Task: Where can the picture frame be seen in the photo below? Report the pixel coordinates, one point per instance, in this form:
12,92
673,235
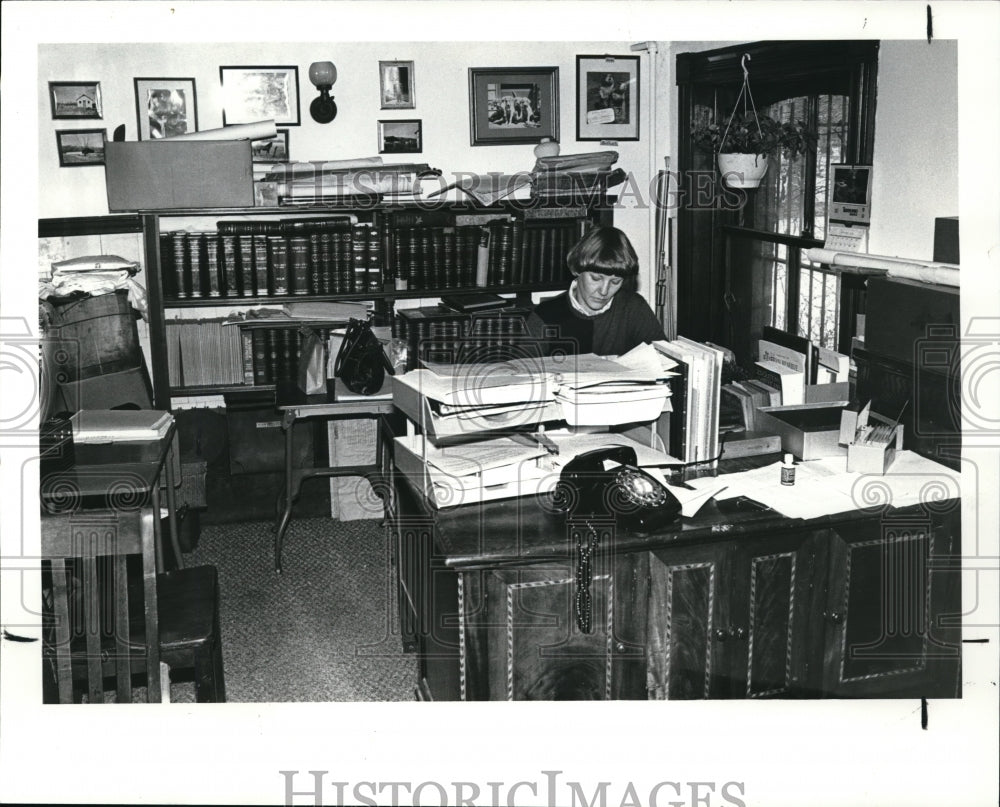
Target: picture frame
271,149
400,136
75,100
80,147
510,105
396,85
251,94
165,107
607,97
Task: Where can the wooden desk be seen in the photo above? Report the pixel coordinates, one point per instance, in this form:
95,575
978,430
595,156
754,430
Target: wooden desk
737,602
118,476
296,406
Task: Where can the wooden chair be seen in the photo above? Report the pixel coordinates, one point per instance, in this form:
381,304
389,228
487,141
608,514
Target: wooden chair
103,625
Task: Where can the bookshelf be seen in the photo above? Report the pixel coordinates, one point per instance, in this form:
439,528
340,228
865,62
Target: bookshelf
203,263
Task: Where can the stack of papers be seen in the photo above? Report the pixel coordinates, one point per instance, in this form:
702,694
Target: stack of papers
118,425
591,390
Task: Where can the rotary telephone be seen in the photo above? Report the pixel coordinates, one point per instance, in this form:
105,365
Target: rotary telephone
637,501
587,490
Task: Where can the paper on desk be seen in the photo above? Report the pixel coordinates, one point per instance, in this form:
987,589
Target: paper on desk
823,487
691,501
475,458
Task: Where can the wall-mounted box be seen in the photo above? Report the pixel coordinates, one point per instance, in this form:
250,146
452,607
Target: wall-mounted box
946,240
165,175
809,431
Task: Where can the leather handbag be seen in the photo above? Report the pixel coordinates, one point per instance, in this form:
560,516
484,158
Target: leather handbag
361,363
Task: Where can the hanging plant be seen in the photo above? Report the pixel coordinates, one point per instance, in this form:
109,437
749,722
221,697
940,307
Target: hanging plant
745,140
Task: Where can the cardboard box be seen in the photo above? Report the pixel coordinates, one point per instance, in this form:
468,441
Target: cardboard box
869,457
165,175
809,431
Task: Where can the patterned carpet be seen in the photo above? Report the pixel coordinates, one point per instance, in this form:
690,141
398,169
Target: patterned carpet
326,629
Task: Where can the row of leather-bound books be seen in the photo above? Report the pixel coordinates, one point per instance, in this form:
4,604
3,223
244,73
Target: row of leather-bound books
247,259
219,352
215,353
251,259
436,335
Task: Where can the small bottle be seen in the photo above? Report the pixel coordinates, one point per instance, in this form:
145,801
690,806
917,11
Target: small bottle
787,470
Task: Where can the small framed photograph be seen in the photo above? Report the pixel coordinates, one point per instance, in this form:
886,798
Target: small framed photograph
165,107
252,94
81,146
607,97
400,136
396,84
72,100
513,105
271,149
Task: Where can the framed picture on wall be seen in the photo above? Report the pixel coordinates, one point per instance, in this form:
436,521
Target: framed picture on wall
513,105
400,136
607,97
72,100
396,85
251,94
165,107
81,146
271,149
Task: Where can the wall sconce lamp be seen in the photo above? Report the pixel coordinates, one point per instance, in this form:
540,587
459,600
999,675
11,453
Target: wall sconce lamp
324,76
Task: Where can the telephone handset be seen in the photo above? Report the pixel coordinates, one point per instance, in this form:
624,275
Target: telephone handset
588,488
638,502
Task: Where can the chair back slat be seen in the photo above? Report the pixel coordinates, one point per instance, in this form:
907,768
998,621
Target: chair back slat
151,606
123,652
60,610
92,629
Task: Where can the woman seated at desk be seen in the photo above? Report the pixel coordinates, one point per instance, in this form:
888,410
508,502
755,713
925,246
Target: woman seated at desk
597,314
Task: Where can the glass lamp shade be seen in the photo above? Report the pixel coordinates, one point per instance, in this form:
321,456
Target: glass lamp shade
323,74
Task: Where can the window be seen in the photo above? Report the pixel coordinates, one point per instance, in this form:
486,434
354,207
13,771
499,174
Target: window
745,264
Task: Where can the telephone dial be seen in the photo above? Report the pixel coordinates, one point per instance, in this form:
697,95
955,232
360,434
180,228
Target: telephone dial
637,501
588,489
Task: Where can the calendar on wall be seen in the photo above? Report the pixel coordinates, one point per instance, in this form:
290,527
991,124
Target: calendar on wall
849,208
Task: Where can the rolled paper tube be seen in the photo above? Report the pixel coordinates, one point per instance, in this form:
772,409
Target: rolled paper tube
925,271
259,130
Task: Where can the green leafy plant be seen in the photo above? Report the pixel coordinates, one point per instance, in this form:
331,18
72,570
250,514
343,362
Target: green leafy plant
750,134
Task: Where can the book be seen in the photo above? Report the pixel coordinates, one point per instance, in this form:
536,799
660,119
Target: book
244,244
790,381
261,265
227,265
290,226
114,425
298,264
778,341
480,301
277,248
194,245
483,257
359,258
179,251
212,264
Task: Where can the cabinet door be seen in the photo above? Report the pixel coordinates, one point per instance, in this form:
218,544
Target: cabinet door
535,646
893,609
688,619
772,583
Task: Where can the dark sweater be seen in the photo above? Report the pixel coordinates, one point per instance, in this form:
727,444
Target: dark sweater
627,323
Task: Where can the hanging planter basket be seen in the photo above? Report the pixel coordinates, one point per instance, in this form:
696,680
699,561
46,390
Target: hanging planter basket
742,170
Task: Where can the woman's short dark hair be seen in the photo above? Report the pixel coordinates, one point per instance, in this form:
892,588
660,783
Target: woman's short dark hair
605,250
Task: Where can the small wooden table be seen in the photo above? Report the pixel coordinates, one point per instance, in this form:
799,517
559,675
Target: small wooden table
117,476
342,403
